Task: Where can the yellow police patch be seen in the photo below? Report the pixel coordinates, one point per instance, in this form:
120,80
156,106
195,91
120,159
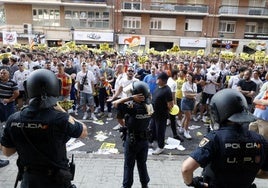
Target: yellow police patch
203,142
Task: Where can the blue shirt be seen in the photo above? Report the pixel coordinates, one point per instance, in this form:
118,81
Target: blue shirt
151,81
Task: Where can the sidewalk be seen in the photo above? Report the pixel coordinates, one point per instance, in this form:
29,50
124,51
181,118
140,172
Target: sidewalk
103,171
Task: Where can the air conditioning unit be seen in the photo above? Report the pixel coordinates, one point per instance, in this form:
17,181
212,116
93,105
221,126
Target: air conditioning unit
27,28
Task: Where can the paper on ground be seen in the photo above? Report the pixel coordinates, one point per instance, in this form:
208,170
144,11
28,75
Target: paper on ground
73,143
101,136
172,143
192,127
99,122
107,148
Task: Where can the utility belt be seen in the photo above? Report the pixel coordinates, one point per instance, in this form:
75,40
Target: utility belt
59,176
42,171
212,185
135,137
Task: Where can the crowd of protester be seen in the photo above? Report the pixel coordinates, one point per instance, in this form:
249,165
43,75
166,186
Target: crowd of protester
92,81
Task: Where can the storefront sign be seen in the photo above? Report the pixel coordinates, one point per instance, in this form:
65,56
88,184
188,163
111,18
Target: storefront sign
255,36
133,40
93,36
194,43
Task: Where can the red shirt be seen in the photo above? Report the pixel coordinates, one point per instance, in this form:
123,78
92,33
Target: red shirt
66,82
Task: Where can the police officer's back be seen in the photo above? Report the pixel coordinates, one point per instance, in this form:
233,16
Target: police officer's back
231,156
39,134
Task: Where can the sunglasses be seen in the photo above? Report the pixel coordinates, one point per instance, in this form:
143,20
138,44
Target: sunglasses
20,65
130,70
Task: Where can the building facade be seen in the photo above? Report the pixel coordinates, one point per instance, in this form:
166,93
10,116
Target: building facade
212,25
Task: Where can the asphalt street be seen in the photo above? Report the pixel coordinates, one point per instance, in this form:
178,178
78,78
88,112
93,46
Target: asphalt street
95,170
92,144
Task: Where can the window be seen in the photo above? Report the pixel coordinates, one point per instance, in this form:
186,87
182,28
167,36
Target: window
163,23
83,14
45,16
263,28
230,2
155,24
83,18
227,26
75,15
68,14
256,3
132,22
132,5
194,2
193,25
2,16
251,27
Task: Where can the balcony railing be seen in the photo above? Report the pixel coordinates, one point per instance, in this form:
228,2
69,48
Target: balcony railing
139,6
251,11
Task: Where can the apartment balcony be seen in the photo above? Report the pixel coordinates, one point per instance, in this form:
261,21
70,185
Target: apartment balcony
243,12
164,8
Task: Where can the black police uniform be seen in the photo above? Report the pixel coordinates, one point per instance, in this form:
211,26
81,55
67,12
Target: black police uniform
136,144
41,145
231,157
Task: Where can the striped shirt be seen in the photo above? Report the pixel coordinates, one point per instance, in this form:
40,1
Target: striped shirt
7,89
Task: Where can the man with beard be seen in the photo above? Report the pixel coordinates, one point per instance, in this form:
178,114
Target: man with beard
248,88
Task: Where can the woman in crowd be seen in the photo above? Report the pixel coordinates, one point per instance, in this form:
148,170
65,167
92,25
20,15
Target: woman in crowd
189,91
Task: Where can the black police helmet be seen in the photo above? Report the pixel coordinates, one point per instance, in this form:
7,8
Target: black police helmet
230,104
42,83
141,87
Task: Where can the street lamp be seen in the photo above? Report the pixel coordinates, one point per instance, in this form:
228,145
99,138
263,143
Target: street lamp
72,32
221,37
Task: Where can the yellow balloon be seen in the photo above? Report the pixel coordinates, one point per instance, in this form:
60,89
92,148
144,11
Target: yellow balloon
174,110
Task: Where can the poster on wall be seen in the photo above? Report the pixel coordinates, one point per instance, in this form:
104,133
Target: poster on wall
9,38
132,41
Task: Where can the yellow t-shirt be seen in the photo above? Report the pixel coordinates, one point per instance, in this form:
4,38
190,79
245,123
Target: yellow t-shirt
179,82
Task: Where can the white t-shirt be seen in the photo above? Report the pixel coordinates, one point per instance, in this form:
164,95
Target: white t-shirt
30,65
234,81
172,84
96,72
87,85
124,82
210,88
187,87
19,77
117,81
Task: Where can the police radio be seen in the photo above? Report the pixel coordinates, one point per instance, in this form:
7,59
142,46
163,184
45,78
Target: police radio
72,167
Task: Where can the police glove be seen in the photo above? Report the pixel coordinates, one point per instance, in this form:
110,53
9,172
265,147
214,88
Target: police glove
123,133
197,182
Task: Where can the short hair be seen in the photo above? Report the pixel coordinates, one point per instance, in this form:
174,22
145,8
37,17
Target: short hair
5,61
242,69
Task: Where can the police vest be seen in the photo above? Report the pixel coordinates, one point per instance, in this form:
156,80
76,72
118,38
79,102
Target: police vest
138,119
237,161
40,129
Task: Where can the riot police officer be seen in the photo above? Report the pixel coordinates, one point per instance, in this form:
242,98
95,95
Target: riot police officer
134,118
231,156
39,132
